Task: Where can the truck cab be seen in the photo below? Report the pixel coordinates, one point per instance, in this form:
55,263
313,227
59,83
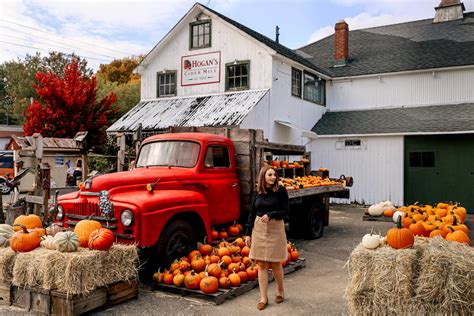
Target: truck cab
182,184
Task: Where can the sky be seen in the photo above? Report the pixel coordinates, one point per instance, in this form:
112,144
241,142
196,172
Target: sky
103,30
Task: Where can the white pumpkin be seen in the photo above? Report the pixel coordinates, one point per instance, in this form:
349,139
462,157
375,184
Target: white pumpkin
53,229
371,241
6,231
396,214
376,209
47,242
388,204
66,241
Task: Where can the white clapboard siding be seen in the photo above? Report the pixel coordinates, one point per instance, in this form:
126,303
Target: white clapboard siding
233,45
408,89
377,167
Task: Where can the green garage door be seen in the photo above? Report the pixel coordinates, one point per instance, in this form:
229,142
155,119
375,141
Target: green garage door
440,168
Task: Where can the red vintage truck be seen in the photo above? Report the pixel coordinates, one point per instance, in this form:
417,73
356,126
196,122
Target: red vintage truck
186,183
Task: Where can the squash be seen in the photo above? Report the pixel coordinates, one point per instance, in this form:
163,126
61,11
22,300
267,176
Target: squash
66,241
400,237
4,242
47,242
371,241
53,229
6,231
376,209
388,204
396,214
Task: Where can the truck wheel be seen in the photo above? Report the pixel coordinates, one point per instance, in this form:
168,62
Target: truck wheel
4,188
176,241
315,222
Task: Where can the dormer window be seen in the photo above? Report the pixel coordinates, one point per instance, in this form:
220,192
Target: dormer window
200,34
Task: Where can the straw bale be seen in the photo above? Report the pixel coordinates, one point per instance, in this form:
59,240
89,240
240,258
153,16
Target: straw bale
446,281
7,261
77,272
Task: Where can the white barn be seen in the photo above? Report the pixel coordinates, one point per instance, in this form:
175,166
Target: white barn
367,103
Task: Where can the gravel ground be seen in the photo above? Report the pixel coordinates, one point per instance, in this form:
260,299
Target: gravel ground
315,290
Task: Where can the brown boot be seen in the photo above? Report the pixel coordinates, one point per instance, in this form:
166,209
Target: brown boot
262,305
279,299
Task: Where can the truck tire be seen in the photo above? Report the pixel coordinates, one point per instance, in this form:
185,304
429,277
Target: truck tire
176,241
4,187
314,226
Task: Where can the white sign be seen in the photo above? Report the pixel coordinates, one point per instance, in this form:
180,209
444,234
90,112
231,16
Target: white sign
201,69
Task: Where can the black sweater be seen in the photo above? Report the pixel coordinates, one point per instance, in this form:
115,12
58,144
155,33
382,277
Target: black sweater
274,204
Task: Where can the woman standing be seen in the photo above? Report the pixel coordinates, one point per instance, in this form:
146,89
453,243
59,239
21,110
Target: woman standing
268,241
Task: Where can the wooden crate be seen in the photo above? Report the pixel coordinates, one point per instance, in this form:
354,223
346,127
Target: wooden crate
5,293
42,301
223,294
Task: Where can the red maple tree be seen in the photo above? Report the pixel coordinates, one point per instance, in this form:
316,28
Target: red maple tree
68,105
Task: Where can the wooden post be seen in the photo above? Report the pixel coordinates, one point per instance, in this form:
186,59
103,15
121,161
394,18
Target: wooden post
38,146
46,186
2,217
138,137
121,152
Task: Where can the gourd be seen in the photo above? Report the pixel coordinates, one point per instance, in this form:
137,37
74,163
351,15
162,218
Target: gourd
6,231
66,241
47,242
53,229
371,241
376,209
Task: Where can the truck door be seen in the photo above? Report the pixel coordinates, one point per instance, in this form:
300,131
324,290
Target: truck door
220,177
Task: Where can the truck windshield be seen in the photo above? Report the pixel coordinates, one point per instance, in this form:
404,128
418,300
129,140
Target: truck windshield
169,153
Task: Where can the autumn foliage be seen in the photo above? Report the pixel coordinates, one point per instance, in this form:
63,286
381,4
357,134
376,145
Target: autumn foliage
68,105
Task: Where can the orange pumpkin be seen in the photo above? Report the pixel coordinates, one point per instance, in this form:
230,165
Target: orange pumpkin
224,282
223,252
233,230
101,239
204,248
29,221
458,236
214,269
399,237
388,212
245,251
418,229
214,234
243,276
192,280
437,232
193,254
252,272
198,264
178,279
209,284
168,278
84,229
234,279
223,234
24,241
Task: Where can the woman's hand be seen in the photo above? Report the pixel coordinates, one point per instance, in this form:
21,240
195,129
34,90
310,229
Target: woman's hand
247,240
265,218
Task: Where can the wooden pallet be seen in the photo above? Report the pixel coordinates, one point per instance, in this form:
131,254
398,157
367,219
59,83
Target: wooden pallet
223,294
370,218
43,301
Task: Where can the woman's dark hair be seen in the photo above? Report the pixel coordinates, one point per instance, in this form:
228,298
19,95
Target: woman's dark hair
261,189
79,163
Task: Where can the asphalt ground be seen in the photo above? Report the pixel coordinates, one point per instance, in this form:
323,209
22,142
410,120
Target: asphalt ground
318,289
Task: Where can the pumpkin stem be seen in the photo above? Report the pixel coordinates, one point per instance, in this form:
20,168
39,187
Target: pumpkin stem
455,221
399,222
205,238
24,228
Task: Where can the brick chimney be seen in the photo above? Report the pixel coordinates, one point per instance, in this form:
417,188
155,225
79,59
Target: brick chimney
449,10
341,43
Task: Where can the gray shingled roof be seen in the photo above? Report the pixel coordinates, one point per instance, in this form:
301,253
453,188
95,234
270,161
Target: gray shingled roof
279,48
225,109
426,119
400,47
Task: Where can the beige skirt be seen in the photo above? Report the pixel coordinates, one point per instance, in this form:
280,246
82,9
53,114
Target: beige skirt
268,241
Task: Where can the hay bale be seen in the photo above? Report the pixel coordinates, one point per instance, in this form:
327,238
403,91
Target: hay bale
77,272
445,284
7,261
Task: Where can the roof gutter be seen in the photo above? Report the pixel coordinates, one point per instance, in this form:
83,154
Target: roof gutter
292,62
432,70
396,134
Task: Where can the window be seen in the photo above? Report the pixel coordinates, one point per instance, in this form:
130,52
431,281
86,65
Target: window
295,82
217,157
166,84
237,76
424,159
352,142
314,89
169,153
6,162
200,34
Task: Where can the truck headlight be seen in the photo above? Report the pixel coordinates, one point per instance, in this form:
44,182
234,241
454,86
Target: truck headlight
60,214
126,218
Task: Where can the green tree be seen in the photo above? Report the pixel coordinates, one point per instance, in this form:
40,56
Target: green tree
19,76
128,95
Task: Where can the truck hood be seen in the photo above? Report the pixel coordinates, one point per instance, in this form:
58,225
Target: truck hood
140,176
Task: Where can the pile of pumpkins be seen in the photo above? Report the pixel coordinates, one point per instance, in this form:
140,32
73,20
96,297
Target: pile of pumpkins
444,220
27,234
306,182
209,268
285,164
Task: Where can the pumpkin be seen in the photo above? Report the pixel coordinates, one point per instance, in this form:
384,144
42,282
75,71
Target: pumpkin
101,239
418,229
192,280
245,251
396,214
371,241
252,272
451,217
243,276
437,232
227,260
223,234
400,237
29,221
223,252
178,279
234,279
457,226
214,234
41,231
294,255
158,276
66,241
388,204
84,229
224,282
198,264
239,242
388,212
458,236
193,254
24,241
209,284
204,248
53,229
214,269
168,278
233,230
376,209
6,231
